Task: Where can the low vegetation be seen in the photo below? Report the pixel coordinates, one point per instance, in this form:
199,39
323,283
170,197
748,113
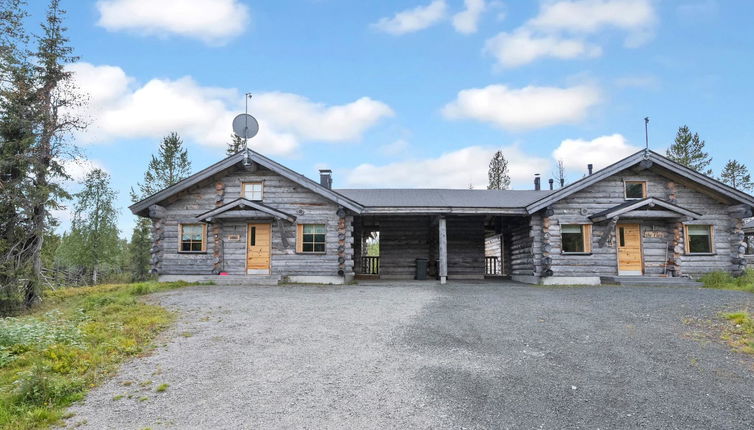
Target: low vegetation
741,333
725,281
50,358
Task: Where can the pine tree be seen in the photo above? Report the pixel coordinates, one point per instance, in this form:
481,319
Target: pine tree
737,176
499,177
688,150
170,165
235,145
94,228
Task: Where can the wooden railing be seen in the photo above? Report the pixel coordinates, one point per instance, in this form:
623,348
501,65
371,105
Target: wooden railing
491,265
370,265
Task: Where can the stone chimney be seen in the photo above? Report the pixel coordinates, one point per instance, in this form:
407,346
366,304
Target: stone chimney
325,178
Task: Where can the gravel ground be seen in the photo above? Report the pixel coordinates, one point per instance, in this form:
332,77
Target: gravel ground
419,355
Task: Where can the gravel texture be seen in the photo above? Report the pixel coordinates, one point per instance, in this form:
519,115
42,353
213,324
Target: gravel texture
421,355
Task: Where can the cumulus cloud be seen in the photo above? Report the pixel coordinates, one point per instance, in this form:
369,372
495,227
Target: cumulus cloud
561,29
395,148
525,108
522,47
411,20
78,168
120,108
211,21
466,21
601,151
456,169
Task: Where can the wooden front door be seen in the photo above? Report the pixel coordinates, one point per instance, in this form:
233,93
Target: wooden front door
629,249
258,238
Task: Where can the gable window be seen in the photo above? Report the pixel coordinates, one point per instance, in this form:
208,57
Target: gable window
699,239
635,190
193,237
310,238
576,238
252,190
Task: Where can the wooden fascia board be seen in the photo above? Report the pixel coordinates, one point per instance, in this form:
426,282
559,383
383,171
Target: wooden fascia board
306,182
585,182
647,202
441,210
250,204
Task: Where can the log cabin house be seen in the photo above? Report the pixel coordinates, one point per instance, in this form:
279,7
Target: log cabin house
249,219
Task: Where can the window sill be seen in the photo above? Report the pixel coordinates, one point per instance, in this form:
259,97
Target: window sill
311,253
192,252
575,253
700,254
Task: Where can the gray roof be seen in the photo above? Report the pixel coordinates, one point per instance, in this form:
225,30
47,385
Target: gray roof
749,224
428,197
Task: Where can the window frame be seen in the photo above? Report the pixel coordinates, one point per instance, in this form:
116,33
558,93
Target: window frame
710,238
626,182
203,242
300,238
586,237
261,190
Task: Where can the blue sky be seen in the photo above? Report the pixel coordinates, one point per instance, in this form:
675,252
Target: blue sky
411,93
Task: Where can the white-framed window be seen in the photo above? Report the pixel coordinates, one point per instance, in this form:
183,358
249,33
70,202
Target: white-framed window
635,190
576,238
699,239
252,190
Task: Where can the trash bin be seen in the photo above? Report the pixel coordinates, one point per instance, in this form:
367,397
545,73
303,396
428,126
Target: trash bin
421,269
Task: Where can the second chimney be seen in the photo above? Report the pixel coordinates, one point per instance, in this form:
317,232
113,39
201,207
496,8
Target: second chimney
551,181
537,182
590,167
325,178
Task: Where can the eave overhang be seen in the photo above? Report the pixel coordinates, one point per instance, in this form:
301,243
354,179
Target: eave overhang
653,208
240,205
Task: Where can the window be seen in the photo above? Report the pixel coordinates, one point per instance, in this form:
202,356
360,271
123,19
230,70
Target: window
251,190
699,239
192,237
576,238
636,190
310,238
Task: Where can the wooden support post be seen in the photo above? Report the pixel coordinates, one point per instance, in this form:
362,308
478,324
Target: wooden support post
443,239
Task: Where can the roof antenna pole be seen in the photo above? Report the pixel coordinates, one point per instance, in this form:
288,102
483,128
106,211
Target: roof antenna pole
246,162
646,137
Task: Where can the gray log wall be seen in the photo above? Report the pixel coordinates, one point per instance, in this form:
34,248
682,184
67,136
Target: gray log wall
658,236
279,193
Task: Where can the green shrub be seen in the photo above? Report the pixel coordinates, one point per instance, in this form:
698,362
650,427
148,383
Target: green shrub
724,280
41,388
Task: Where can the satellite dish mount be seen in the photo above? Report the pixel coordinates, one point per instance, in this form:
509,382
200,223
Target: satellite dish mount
246,127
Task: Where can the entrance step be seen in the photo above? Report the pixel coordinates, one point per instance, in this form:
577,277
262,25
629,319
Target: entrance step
650,281
246,280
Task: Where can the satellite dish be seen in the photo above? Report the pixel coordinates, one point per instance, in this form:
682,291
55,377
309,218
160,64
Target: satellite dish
245,126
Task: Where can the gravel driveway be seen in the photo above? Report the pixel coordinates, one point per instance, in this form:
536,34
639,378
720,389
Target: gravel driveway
421,355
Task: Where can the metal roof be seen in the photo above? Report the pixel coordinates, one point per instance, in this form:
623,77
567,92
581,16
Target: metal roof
428,197
749,224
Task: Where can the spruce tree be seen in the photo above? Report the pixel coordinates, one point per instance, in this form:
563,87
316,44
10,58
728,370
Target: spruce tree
169,166
737,176
688,150
235,145
499,177
94,228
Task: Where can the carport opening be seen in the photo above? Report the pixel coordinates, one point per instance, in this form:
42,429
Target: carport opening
370,260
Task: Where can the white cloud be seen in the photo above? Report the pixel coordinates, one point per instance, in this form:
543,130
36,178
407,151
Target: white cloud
78,168
466,21
561,29
601,152
411,20
456,169
525,108
522,47
121,109
395,148
211,21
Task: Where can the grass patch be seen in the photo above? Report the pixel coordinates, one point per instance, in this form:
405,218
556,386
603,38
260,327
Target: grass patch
52,356
740,333
162,388
725,281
